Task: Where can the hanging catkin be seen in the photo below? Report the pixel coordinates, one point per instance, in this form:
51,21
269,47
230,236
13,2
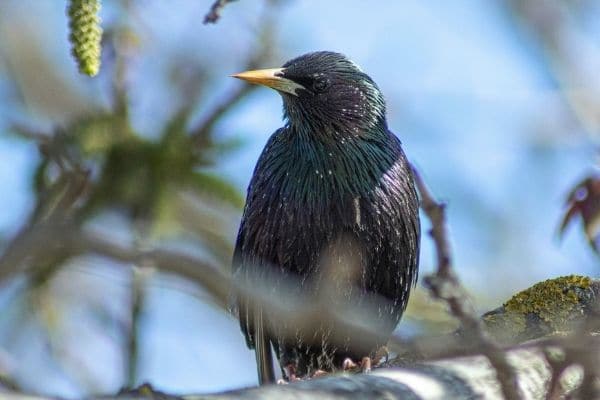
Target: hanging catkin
85,34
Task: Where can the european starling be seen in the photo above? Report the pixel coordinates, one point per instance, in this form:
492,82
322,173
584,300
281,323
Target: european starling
331,213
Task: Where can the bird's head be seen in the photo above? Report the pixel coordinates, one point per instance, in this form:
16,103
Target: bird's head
324,92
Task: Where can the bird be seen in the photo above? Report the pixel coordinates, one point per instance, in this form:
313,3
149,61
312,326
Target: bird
332,214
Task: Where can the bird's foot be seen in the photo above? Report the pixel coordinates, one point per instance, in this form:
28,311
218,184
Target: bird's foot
381,355
290,373
363,366
349,365
319,374
291,376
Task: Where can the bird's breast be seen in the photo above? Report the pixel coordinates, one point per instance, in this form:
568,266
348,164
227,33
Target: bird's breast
306,198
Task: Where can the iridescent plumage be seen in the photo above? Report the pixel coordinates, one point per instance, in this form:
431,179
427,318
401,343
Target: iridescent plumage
331,210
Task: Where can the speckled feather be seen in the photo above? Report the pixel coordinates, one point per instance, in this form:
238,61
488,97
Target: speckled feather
333,184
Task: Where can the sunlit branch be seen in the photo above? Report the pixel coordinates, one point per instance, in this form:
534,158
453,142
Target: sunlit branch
444,285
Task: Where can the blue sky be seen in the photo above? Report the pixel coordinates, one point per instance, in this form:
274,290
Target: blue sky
473,102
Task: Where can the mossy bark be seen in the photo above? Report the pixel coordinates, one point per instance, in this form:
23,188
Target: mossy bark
554,306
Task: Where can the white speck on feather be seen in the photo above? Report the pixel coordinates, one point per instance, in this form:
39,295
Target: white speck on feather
357,210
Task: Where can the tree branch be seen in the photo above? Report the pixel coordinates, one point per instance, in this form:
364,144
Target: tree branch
44,239
214,13
459,378
444,285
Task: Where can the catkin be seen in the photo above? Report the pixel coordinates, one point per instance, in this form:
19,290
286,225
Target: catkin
85,34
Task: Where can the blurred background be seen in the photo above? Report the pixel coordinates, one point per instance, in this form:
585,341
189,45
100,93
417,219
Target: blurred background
497,104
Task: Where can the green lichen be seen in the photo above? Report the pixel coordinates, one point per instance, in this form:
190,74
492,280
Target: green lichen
85,34
546,307
553,301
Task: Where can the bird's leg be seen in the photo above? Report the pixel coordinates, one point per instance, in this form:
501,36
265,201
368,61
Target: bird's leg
365,365
319,374
290,373
348,364
380,354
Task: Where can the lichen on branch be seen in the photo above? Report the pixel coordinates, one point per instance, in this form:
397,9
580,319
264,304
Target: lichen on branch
85,34
554,305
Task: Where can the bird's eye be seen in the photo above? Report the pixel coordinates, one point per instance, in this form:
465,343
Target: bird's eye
320,84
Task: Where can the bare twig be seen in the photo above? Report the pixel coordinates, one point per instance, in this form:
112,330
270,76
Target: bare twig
138,285
214,13
8,383
444,285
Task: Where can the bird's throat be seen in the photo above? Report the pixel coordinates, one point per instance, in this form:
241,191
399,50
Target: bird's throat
338,165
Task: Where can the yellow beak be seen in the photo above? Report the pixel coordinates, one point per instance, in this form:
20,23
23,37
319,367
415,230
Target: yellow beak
272,77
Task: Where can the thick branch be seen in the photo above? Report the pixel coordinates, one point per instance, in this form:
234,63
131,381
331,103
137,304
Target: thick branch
460,378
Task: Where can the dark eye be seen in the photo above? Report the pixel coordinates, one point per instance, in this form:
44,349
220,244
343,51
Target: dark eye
320,84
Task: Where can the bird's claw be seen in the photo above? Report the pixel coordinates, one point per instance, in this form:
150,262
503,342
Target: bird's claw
364,365
348,364
319,374
290,373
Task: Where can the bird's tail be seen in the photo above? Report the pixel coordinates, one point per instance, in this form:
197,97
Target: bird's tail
262,348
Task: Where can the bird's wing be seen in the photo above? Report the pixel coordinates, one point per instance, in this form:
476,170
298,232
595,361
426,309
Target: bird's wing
251,319
245,260
246,254
412,224
239,271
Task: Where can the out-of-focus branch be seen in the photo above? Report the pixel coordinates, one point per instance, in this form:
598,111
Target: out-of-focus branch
55,206
205,128
444,285
208,276
214,13
460,378
569,55
58,199
46,238
139,276
552,26
75,241
258,57
217,283
8,383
